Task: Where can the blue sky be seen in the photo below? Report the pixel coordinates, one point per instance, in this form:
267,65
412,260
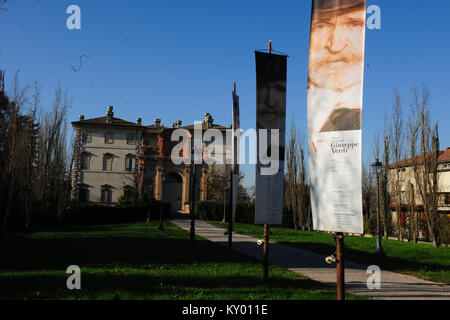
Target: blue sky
176,60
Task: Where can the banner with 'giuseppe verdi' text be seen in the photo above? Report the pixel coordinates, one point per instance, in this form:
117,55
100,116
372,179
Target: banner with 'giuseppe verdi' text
335,95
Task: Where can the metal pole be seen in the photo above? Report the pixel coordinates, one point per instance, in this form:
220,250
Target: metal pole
379,247
266,253
224,205
340,281
230,217
192,230
161,227
266,227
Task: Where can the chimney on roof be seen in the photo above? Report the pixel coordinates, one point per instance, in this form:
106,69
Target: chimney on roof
208,120
109,115
139,121
81,117
157,123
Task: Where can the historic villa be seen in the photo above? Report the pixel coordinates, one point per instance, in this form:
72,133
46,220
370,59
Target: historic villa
113,157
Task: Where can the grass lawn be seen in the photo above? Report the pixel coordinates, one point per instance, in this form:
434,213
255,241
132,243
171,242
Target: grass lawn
421,260
136,261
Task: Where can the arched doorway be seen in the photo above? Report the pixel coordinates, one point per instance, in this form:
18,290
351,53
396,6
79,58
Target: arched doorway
173,190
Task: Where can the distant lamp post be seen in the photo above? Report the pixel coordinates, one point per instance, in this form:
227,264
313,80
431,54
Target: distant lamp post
161,228
377,166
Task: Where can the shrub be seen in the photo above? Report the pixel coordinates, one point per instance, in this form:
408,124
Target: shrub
124,211
210,210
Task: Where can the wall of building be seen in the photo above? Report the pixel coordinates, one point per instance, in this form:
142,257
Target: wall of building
94,177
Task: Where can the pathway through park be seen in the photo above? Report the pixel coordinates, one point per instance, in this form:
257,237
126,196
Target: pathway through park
313,265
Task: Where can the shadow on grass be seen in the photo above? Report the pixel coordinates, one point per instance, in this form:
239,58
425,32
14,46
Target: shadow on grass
148,286
33,254
366,258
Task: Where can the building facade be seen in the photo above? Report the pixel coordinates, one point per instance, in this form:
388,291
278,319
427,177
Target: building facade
113,157
402,176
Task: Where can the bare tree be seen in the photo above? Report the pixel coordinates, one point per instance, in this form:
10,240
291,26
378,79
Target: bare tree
426,165
397,181
14,150
304,202
53,155
368,191
33,160
296,191
291,190
384,179
412,138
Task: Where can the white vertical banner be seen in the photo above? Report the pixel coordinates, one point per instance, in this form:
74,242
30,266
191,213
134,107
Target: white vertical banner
271,70
335,95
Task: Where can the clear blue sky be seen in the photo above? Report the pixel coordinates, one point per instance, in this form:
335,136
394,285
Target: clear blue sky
176,60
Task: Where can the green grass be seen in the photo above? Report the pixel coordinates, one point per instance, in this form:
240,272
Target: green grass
136,261
421,260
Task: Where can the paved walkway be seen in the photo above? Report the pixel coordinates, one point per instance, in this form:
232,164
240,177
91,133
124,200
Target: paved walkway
312,265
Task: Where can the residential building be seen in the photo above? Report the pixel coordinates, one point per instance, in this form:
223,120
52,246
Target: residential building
403,173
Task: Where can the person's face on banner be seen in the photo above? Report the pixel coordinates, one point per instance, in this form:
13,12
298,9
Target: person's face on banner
336,50
274,95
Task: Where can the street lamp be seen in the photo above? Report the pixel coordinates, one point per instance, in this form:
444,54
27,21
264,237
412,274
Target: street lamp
377,166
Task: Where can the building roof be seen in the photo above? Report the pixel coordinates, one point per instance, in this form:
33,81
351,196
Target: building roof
213,126
444,156
102,121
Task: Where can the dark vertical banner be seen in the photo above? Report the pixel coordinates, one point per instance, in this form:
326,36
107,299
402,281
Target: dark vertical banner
235,150
335,95
271,72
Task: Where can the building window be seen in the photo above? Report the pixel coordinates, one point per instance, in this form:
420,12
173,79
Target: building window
86,137
447,198
107,162
130,138
84,193
128,192
109,138
151,141
85,161
129,162
106,194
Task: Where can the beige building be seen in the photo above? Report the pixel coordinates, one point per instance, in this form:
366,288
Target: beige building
403,172
113,157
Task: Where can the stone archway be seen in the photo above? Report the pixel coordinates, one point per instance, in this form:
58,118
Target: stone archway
173,190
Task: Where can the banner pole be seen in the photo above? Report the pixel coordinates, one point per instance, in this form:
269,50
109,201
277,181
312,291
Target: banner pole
266,253
192,230
230,219
340,269
266,227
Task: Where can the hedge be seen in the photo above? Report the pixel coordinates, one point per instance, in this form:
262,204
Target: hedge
212,210
97,214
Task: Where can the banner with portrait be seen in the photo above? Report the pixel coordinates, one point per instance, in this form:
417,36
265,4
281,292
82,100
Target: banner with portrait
335,95
270,128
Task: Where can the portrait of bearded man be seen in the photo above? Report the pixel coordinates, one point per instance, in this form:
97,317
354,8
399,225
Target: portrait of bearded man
336,65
